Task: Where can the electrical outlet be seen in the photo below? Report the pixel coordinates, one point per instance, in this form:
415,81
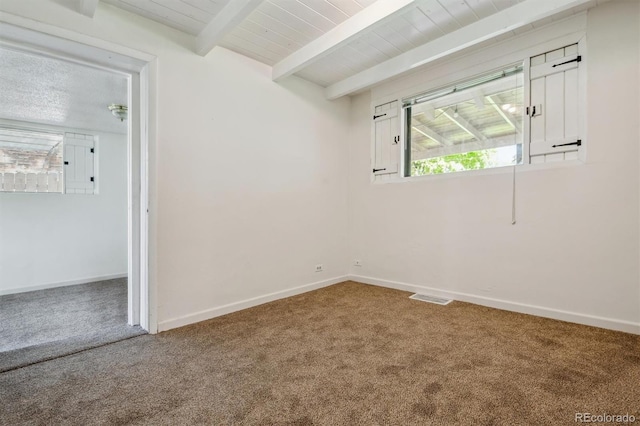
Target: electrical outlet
357,262
319,268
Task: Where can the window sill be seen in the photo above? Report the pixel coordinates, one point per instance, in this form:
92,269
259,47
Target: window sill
523,168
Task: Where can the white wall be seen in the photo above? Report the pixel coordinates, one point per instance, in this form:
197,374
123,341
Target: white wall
248,188
258,196
573,253
54,239
248,176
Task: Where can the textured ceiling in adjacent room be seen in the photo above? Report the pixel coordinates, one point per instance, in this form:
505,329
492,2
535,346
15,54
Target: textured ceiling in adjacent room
51,91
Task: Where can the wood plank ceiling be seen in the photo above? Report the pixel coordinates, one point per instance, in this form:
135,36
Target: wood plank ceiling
277,28
189,16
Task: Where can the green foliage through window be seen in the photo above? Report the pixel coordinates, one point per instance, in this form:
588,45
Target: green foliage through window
473,160
473,125
451,163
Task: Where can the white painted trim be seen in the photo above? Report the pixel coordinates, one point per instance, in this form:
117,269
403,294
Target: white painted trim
134,157
495,25
87,7
245,304
224,22
557,314
146,300
62,284
339,36
87,49
51,128
69,45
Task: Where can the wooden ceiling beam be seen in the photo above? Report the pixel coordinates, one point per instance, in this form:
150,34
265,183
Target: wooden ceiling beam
367,19
512,18
510,120
427,132
465,125
225,21
87,7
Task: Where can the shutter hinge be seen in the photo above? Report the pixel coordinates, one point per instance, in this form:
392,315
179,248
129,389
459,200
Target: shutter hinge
92,151
578,143
378,170
578,59
378,116
92,179
66,163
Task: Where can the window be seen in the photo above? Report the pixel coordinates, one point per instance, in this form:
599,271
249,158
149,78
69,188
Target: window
476,124
526,113
30,161
43,161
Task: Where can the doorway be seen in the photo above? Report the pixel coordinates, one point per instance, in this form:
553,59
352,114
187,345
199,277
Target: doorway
137,70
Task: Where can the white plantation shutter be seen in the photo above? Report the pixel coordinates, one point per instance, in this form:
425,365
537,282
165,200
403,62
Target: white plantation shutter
387,139
79,164
555,109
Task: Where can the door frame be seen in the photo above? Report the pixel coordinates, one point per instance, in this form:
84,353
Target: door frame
140,70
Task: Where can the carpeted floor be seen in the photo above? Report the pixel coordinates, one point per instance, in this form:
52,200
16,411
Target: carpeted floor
348,354
44,324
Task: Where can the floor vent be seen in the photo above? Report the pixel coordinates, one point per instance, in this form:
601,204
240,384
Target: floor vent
430,299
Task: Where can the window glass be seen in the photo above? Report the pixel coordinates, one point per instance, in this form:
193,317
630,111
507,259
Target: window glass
30,161
476,124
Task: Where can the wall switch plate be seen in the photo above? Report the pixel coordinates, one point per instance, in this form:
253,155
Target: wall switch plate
319,268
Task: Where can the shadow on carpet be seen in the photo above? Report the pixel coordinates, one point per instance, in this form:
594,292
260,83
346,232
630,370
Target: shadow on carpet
22,357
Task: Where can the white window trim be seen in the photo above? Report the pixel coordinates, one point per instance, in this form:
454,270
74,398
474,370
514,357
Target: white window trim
561,33
466,174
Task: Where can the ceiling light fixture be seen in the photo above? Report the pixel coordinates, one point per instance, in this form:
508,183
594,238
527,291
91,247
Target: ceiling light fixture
120,111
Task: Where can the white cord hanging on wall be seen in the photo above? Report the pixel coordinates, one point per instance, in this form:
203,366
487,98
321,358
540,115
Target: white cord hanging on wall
513,198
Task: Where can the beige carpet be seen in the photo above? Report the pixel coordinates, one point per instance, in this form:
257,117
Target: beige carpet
344,355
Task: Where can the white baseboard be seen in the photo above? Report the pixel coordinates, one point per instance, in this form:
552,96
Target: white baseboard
61,284
244,304
591,320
